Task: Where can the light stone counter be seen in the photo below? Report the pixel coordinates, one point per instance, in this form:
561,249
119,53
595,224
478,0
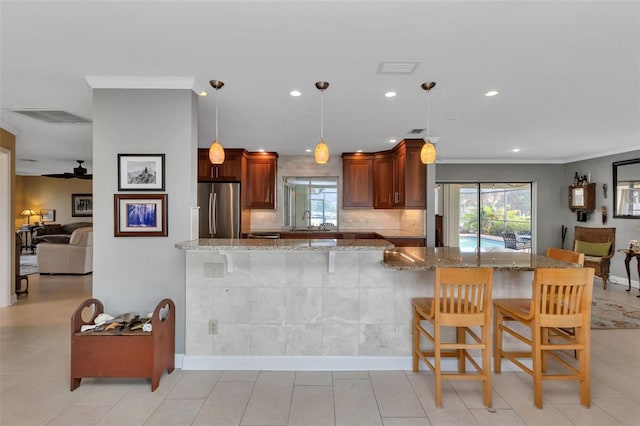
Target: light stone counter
305,305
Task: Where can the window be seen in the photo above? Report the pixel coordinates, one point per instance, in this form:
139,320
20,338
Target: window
310,201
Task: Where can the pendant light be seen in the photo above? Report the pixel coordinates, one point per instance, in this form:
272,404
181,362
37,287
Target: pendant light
321,153
428,151
216,152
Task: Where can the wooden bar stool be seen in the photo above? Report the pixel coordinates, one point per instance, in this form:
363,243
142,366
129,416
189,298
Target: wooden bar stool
561,300
462,299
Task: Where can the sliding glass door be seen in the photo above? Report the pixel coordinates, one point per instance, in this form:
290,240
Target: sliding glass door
487,216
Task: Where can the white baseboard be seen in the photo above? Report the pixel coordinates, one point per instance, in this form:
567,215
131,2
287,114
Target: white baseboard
313,363
624,281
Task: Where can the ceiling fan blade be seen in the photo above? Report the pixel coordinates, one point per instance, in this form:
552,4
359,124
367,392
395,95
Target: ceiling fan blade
78,173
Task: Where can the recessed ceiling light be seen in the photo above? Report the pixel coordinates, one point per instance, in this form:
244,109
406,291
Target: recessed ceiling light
390,94
307,150
515,150
491,93
295,93
203,93
359,150
392,141
261,150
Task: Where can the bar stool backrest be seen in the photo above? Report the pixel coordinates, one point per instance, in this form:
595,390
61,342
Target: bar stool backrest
462,296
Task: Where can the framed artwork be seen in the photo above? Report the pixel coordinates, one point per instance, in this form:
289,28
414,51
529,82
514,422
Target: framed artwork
140,215
141,172
81,205
47,215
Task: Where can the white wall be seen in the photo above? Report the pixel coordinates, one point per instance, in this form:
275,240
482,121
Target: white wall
132,274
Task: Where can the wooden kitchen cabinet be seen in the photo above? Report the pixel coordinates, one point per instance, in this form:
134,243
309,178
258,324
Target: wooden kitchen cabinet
229,171
383,185
582,197
260,192
413,177
357,180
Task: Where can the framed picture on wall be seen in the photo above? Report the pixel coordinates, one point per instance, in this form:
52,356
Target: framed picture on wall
140,172
47,215
140,215
81,205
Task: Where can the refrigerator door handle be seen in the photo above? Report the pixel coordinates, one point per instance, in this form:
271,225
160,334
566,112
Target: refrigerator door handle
209,215
214,213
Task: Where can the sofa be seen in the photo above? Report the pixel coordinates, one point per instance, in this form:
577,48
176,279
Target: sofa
74,257
56,233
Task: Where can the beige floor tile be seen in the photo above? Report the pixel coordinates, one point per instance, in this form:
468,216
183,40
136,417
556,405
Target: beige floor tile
500,417
175,412
339,375
312,406
470,391
134,409
80,415
532,415
593,416
624,410
453,412
226,404
239,376
314,378
395,395
195,385
355,403
270,401
406,421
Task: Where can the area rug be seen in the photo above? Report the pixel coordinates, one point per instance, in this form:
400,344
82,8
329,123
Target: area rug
610,314
28,264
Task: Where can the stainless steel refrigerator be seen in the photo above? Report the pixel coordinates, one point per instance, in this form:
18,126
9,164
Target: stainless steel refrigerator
219,210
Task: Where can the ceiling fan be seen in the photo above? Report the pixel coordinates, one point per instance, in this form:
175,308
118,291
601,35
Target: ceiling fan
78,173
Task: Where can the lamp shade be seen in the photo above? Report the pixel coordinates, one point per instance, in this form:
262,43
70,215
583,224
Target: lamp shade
216,153
428,153
28,212
321,153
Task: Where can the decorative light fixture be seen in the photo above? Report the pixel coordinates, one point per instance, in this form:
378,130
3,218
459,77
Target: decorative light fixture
428,151
28,213
216,152
321,153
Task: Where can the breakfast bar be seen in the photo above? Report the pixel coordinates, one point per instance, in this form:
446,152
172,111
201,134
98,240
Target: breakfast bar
307,304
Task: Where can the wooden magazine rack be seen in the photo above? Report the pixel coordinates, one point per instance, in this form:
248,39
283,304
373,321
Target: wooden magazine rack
122,353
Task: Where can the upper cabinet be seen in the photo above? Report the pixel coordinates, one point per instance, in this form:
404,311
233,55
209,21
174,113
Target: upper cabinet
386,180
582,197
229,171
260,188
357,180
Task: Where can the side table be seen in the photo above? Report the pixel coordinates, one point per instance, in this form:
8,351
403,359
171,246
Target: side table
630,254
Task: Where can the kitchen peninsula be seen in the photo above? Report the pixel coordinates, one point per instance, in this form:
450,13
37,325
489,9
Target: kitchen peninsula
319,304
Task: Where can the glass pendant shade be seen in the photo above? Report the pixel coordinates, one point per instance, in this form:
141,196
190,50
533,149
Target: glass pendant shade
216,153
428,153
321,153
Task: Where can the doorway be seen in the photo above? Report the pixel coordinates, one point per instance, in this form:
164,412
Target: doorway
487,216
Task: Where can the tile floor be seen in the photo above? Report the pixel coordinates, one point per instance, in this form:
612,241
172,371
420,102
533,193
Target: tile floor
34,384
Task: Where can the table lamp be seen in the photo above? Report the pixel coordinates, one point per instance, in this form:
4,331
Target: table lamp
28,213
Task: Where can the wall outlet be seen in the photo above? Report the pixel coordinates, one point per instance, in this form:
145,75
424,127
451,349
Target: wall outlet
213,327
214,270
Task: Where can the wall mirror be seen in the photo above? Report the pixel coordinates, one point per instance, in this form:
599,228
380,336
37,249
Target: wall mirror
626,189
310,202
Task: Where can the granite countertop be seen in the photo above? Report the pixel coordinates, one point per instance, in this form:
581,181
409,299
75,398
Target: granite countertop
427,259
284,244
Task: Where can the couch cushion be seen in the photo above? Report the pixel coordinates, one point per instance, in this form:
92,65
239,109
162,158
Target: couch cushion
82,237
70,227
593,249
50,230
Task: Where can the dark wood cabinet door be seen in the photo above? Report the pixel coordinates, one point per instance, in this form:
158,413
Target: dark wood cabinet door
415,178
229,171
399,167
383,181
357,180
260,188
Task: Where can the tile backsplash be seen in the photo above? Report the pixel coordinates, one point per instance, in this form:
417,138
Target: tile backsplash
348,219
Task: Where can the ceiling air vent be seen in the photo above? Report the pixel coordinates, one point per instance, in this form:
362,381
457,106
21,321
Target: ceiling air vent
416,131
52,116
397,67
